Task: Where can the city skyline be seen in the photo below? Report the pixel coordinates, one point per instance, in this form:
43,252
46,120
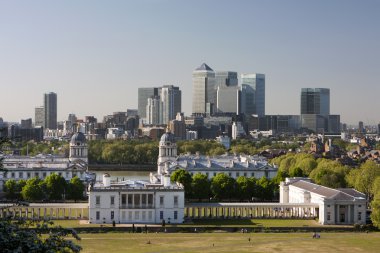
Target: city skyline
95,55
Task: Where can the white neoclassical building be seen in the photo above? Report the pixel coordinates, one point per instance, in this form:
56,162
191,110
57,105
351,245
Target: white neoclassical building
336,206
25,167
232,165
137,201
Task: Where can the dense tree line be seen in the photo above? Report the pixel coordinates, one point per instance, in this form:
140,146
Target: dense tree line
123,152
54,187
223,187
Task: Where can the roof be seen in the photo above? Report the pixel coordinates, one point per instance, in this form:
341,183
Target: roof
329,193
205,67
78,137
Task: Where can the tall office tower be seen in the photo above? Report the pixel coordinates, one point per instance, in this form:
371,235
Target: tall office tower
223,80
154,111
228,100
247,100
50,105
315,101
143,95
171,102
39,116
257,83
26,123
361,127
203,87
71,120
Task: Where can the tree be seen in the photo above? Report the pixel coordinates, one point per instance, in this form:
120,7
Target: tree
33,190
245,188
55,186
75,189
36,237
296,172
375,204
183,177
200,186
222,186
10,189
264,189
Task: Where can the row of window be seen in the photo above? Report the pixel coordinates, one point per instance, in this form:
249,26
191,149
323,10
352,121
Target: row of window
245,174
137,200
137,215
20,174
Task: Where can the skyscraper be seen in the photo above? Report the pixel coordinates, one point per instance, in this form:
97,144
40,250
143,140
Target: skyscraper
171,102
154,111
39,116
256,90
50,106
315,101
203,90
143,95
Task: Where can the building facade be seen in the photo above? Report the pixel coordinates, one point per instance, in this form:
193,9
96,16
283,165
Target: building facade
41,166
39,116
336,206
137,201
315,101
257,90
203,90
50,108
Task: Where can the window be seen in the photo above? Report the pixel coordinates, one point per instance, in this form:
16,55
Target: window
328,216
214,174
359,205
20,174
112,215
130,215
13,174
229,174
36,174
161,201
175,215
97,200
150,200
161,215
97,215
143,200
137,215
207,174
112,200
237,174
143,215
137,200
175,201
359,215
252,174
130,200
44,174
150,215
123,199
245,174
328,205
28,175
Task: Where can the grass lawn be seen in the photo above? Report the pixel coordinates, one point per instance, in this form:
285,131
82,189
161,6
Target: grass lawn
230,242
218,223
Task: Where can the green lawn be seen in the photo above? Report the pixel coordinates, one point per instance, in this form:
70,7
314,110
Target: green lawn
230,242
294,223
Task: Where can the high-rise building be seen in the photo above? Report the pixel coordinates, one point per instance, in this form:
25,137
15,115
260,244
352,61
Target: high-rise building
227,100
256,90
154,111
143,95
171,102
50,106
203,90
315,101
39,116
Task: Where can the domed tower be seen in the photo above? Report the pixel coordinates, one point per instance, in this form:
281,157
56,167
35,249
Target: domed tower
167,150
78,148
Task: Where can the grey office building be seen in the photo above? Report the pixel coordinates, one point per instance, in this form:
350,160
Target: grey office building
203,90
171,102
143,95
256,90
315,101
39,116
50,106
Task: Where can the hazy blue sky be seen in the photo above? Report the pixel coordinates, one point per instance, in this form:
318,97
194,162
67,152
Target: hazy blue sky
95,54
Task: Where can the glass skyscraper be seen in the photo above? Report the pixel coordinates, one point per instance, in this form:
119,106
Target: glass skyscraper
203,89
50,107
256,90
315,101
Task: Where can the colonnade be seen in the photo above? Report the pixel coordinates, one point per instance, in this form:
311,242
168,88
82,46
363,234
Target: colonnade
249,211
44,212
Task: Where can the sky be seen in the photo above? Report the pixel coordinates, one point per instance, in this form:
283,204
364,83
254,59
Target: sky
96,54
